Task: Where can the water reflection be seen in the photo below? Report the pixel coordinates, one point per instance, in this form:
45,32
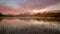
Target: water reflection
28,23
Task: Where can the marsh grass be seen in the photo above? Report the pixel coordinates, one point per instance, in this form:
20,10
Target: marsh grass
28,30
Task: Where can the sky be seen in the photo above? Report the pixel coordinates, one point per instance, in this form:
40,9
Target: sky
17,7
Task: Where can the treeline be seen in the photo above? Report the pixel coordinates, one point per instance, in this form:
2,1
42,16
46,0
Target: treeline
48,15
35,15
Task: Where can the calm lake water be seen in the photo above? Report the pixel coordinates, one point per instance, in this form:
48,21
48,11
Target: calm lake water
29,26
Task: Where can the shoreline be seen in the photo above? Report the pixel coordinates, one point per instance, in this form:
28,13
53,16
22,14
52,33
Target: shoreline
37,18
27,17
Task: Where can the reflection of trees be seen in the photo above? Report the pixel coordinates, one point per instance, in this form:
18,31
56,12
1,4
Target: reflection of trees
43,19
0,19
57,15
48,19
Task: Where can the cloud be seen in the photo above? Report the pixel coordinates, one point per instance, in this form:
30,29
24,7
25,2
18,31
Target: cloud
52,7
38,4
28,5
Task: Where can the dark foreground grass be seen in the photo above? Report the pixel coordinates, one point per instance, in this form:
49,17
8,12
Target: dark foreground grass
28,30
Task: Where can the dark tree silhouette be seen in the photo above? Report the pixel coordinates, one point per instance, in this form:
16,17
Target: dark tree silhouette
1,15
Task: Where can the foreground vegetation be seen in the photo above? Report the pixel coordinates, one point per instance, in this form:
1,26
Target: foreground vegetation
29,30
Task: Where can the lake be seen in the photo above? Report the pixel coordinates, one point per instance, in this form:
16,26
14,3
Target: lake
29,26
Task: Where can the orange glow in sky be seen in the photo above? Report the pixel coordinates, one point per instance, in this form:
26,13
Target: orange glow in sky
11,12
17,7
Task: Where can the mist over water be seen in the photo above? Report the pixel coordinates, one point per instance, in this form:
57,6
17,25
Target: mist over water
29,26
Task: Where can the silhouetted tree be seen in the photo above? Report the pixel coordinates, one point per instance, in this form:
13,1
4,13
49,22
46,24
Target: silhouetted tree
1,15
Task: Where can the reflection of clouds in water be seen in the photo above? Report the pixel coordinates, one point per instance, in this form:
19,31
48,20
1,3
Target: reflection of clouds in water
16,22
29,22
